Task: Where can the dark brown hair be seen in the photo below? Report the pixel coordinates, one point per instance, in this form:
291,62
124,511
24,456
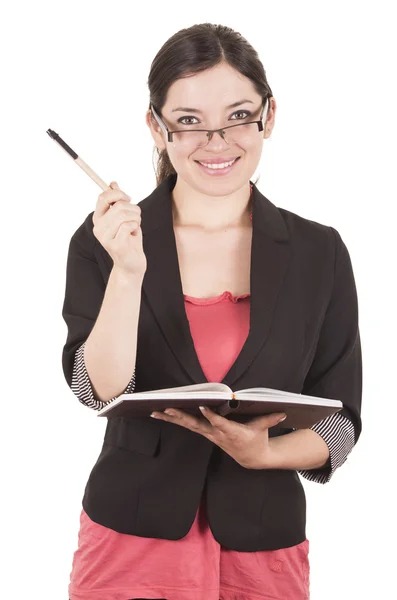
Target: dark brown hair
191,51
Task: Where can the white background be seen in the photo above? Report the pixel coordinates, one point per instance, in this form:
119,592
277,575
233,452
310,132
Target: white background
81,69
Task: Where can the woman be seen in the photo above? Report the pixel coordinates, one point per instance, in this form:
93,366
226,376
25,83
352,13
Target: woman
206,280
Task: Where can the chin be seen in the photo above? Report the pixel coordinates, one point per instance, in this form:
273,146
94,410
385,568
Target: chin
216,188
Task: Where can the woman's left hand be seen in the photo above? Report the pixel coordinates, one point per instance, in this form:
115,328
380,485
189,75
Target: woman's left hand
248,443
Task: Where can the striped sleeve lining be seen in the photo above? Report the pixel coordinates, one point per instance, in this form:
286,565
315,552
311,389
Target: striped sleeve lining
338,433
81,384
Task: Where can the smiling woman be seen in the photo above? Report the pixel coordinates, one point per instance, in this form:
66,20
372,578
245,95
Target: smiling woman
207,507
210,125
192,137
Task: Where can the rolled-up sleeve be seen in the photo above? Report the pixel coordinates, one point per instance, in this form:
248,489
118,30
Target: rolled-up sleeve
336,370
338,433
81,384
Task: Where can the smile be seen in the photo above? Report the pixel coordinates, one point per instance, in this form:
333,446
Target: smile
217,169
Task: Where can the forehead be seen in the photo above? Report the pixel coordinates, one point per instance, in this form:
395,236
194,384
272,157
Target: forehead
219,86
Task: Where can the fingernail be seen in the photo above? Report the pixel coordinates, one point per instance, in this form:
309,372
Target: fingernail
282,418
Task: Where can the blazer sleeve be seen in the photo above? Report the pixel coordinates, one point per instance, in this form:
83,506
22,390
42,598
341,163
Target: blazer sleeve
337,432
84,293
82,387
336,370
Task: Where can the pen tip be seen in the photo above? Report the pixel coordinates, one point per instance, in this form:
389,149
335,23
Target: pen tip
51,133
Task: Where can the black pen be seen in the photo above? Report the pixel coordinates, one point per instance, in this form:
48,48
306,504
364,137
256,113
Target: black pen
104,186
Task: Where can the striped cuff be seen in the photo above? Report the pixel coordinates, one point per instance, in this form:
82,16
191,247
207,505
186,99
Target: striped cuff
81,384
337,432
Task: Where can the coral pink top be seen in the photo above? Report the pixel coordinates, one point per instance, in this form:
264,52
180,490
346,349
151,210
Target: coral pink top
115,566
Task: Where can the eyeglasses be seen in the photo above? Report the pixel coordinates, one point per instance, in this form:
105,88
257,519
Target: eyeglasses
239,133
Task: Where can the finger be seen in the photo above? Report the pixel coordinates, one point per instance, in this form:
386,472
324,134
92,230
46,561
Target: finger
114,191
120,213
125,208
267,421
222,424
108,199
126,229
179,417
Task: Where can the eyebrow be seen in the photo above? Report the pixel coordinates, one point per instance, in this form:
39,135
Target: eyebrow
196,110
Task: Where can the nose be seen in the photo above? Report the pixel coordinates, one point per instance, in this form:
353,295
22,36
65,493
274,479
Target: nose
216,139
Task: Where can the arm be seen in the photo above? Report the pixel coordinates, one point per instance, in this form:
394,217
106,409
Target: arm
100,351
110,350
81,384
317,452
337,432
336,372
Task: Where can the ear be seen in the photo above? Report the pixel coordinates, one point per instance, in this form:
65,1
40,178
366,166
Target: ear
270,118
155,130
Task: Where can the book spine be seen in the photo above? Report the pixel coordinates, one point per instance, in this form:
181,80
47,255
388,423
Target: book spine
228,407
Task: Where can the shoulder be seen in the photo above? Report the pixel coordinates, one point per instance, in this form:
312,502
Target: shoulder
299,226
311,236
83,237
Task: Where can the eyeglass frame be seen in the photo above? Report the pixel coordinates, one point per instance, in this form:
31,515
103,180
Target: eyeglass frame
210,132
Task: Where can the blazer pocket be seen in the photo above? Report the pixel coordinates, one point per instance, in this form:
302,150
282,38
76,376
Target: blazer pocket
136,435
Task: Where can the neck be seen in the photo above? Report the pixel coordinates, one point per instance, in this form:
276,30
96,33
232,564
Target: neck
192,208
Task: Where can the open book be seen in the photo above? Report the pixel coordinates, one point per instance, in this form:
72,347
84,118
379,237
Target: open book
302,411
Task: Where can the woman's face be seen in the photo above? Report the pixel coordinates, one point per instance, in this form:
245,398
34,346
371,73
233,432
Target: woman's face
203,101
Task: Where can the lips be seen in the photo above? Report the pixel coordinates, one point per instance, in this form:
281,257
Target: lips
217,161
217,171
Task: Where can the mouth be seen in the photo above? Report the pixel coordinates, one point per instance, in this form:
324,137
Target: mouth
217,169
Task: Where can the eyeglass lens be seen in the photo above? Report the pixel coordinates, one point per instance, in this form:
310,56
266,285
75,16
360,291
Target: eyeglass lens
241,133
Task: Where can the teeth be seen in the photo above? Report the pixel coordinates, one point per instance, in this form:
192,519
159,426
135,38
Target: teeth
218,166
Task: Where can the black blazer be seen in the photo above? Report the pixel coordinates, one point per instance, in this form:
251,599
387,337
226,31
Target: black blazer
304,337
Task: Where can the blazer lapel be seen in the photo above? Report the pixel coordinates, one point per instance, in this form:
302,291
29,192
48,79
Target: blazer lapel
270,254
162,284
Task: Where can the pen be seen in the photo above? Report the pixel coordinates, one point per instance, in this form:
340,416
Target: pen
104,186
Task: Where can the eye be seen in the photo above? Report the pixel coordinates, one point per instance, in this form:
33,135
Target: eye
242,112
182,119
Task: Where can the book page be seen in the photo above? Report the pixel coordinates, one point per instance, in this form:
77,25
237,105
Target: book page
211,386
266,392
270,395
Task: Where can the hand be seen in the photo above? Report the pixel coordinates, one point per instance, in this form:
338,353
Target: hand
117,226
247,443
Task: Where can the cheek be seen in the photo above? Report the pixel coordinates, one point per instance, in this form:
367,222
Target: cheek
254,150
177,153
255,153
179,157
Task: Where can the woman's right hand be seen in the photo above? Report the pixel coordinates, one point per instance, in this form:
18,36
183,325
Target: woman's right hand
118,228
